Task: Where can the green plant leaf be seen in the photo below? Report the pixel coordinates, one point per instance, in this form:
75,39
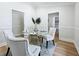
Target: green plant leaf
38,20
33,20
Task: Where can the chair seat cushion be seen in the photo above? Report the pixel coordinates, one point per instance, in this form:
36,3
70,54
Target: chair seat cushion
49,38
34,50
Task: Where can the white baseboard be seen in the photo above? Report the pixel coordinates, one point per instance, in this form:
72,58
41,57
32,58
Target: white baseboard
66,39
76,46
71,40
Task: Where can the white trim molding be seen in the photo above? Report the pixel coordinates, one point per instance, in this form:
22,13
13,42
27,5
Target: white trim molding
68,27
66,39
76,43
76,46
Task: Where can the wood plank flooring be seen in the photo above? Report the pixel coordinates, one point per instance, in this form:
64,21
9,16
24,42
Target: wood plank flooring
65,48
3,50
62,49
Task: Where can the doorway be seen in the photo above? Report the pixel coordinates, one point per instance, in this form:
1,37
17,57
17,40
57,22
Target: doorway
53,21
17,22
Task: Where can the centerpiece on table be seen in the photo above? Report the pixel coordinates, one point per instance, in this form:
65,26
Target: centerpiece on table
37,21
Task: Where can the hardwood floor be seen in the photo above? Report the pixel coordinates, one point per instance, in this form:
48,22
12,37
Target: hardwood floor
3,50
62,48
65,48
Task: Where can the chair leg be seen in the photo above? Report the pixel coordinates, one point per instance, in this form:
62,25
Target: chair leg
53,42
39,54
41,42
46,44
42,39
7,51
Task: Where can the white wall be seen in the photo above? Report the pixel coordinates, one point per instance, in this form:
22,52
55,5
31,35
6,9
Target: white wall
6,14
66,17
77,26
66,20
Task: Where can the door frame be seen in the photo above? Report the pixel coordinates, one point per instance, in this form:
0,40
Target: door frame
59,20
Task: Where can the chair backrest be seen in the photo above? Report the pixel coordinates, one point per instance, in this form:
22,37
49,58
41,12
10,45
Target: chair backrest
8,33
17,47
52,31
2,39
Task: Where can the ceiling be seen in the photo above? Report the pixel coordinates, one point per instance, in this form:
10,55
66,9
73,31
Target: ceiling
50,3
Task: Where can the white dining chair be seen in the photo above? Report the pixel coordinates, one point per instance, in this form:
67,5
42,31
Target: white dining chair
3,43
50,36
21,46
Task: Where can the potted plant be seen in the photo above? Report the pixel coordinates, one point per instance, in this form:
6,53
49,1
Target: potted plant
37,21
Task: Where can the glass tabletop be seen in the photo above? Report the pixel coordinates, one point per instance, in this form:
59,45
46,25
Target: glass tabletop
42,32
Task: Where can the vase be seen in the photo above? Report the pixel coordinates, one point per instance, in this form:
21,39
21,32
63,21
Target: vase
35,28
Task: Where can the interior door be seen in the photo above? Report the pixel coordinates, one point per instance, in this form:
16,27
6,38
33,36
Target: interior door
17,22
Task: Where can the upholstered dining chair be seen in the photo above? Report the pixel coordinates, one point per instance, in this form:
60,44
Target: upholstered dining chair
50,36
3,43
21,46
